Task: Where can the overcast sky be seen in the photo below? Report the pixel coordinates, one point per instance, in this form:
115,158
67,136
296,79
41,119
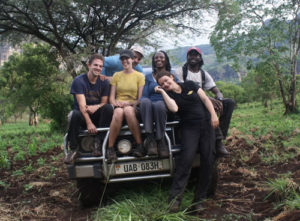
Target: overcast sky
206,26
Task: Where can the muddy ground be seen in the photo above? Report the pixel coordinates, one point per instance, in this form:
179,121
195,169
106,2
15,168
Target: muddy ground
48,194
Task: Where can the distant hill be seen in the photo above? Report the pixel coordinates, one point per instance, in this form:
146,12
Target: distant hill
219,71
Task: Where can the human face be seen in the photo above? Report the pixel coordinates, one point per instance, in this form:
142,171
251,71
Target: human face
95,67
136,59
194,58
126,63
166,82
160,60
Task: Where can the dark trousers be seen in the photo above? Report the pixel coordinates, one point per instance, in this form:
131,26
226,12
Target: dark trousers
225,118
153,112
101,118
194,138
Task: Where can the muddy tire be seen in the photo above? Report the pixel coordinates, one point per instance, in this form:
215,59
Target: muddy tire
214,180
90,191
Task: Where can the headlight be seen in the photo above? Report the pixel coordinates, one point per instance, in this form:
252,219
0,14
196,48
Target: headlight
87,143
124,146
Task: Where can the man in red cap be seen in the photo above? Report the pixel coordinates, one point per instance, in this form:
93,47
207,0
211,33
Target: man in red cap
192,70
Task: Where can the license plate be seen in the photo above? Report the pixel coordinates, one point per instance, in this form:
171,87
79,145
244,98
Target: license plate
139,167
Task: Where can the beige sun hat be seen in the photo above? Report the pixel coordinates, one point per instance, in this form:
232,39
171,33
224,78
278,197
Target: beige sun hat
137,49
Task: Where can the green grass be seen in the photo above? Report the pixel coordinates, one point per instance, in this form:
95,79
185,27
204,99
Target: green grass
19,142
277,135
258,121
144,203
284,192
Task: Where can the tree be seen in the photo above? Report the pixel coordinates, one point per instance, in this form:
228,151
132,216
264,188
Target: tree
260,83
268,30
28,79
72,26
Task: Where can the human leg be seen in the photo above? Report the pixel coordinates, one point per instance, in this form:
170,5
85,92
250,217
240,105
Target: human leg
160,118
220,148
228,107
145,110
190,140
207,158
101,118
114,130
134,127
76,123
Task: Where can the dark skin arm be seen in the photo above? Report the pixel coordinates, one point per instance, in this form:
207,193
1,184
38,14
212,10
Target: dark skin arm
217,92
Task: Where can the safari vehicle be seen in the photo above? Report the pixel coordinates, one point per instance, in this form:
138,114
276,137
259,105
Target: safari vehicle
94,173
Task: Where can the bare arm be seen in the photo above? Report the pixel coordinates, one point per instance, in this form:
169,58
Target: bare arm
91,109
217,92
112,95
171,104
210,108
140,93
83,109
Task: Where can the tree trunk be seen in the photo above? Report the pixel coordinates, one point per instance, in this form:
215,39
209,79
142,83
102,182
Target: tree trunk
33,117
30,119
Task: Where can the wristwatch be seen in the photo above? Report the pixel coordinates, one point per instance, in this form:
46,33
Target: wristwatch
220,98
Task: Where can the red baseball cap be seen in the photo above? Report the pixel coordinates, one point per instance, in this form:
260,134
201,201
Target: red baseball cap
194,48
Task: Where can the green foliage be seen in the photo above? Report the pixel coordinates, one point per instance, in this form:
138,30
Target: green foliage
260,84
32,79
282,188
231,90
269,130
57,109
19,142
293,203
254,119
285,192
78,26
29,78
146,203
247,30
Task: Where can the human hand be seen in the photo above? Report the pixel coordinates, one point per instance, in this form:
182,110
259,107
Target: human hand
91,109
218,105
91,128
214,121
158,89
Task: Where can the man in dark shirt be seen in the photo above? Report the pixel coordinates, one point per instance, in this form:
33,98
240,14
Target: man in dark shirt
91,108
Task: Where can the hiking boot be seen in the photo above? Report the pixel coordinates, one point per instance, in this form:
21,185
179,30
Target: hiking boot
174,206
220,148
97,150
150,145
139,151
163,150
71,156
111,155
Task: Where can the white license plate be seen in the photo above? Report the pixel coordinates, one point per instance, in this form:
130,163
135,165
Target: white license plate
138,167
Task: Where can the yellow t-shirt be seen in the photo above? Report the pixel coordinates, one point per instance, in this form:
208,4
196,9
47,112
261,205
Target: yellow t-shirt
127,85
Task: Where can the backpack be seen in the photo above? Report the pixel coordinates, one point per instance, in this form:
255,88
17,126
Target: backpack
185,72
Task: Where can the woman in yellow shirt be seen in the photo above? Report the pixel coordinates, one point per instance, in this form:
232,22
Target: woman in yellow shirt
126,90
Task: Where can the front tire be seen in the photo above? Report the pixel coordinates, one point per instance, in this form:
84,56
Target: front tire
90,191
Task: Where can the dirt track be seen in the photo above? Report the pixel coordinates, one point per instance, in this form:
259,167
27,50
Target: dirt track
240,194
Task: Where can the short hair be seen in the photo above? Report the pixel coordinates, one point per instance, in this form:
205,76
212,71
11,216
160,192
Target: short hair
163,73
95,56
168,64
